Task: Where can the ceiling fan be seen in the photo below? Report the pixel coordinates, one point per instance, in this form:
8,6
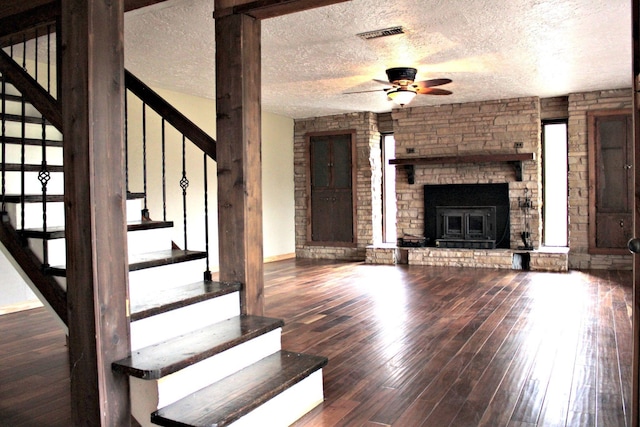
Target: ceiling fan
404,88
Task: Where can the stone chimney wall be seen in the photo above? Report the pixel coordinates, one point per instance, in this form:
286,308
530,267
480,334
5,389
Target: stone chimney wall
491,127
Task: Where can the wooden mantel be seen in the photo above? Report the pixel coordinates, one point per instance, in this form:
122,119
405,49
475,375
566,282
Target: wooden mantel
514,158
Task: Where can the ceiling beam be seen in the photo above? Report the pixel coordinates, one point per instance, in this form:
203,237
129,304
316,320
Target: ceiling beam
12,8
263,9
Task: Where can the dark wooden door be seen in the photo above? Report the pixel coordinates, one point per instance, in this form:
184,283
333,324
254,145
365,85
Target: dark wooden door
610,176
331,188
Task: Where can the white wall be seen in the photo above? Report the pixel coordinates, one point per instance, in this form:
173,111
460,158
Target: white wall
278,193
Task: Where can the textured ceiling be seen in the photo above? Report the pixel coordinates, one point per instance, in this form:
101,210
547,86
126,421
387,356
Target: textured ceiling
491,49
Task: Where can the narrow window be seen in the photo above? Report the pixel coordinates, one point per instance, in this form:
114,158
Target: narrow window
555,193
389,189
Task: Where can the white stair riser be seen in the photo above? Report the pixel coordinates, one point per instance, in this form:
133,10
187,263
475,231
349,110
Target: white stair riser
33,154
142,241
31,183
57,251
288,406
137,242
32,130
152,280
161,327
33,215
150,395
55,214
15,107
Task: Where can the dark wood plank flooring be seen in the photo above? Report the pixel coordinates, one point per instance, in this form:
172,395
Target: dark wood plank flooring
407,346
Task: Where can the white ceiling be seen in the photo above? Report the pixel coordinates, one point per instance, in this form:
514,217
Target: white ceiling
491,49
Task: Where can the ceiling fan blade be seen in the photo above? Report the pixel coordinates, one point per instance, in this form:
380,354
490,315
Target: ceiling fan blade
432,91
367,91
383,82
432,83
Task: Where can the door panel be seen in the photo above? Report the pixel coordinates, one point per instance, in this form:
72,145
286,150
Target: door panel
331,189
610,180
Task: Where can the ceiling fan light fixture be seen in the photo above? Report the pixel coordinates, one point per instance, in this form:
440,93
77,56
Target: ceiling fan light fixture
401,75
401,96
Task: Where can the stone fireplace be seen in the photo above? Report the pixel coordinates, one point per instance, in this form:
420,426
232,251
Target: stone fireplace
459,168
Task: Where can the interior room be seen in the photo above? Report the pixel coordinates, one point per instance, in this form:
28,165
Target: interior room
430,202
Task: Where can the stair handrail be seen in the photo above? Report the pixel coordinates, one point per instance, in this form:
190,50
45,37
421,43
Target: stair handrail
174,117
31,89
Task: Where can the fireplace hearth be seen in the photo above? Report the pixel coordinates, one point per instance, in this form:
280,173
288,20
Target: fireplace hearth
467,215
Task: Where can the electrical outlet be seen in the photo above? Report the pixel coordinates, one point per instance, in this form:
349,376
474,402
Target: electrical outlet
517,145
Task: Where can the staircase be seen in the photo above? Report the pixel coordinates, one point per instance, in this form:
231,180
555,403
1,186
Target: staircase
195,359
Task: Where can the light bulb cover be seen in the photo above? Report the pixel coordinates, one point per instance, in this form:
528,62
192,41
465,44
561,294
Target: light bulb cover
401,96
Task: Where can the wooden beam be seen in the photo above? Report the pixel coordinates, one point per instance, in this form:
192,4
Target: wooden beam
174,117
635,40
264,9
97,266
239,157
22,11
36,17
48,106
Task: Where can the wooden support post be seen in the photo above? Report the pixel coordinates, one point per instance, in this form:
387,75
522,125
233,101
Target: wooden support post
239,156
97,267
635,32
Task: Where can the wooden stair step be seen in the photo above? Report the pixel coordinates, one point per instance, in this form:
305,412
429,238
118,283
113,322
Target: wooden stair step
33,198
12,98
58,232
17,167
27,119
165,358
146,260
180,296
37,198
31,141
231,398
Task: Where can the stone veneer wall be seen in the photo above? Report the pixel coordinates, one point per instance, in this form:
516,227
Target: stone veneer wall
490,127
579,105
368,198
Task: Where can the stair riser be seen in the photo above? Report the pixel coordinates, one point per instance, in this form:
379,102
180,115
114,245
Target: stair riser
15,107
137,242
32,184
287,407
149,395
55,214
32,154
159,279
33,215
32,130
155,329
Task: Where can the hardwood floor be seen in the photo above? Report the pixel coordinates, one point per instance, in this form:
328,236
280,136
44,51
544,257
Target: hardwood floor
407,346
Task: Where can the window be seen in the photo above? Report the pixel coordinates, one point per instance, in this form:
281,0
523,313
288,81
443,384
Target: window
555,193
388,189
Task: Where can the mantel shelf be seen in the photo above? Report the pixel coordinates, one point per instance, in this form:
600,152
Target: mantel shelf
515,158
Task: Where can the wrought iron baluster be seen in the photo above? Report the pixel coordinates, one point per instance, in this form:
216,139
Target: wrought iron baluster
44,176
184,184
164,174
4,143
49,58
145,209
207,272
126,142
23,132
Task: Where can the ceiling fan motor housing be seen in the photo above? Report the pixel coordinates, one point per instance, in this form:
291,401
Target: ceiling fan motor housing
401,75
